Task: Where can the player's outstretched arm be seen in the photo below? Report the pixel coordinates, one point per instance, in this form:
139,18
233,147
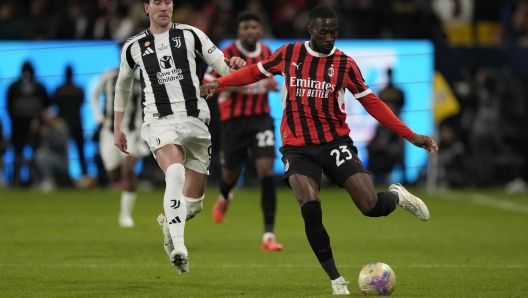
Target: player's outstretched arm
241,77
424,142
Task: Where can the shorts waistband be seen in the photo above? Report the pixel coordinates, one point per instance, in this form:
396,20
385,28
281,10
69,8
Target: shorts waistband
157,115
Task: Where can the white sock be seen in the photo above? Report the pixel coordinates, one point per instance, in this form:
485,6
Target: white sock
128,200
194,206
173,202
267,235
337,280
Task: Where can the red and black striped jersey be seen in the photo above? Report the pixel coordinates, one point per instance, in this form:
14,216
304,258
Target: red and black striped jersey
253,100
313,92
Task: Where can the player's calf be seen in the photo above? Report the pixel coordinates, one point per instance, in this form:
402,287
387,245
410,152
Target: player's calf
194,206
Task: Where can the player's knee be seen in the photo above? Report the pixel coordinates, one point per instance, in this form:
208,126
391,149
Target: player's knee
367,205
312,213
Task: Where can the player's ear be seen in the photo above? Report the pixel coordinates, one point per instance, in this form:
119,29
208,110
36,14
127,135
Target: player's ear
310,30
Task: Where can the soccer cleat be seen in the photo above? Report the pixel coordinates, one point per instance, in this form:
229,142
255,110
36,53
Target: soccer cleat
339,286
220,207
167,240
410,202
270,244
126,221
179,258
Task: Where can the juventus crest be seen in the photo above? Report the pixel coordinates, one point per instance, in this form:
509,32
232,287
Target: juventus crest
177,41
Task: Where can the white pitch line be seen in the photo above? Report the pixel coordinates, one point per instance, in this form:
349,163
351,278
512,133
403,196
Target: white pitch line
485,200
488,201
228,266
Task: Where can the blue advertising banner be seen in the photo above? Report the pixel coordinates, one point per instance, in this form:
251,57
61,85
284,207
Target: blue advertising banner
411,61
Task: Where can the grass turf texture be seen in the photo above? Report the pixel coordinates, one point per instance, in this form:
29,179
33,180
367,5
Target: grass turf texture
68,244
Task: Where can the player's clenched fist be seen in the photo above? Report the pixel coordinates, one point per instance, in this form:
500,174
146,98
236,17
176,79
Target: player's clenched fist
209,89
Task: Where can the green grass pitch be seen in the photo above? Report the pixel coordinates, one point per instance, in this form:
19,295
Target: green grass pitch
68,244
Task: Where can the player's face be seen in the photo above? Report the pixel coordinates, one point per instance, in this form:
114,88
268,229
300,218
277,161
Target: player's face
160,12
249,32
323,34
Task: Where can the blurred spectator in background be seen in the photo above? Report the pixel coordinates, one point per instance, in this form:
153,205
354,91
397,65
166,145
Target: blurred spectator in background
257,7
51,157
69,99
386,148
454,163
484,132
114,23
514,19
26,100
10,24
512,160
366,18
37,25
413,19
284,16
74,23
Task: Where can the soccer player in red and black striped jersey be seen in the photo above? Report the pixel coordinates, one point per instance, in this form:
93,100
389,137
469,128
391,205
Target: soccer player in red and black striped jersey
246,126
315,135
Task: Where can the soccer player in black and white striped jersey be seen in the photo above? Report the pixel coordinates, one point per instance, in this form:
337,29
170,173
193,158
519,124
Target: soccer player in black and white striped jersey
117,164
170,58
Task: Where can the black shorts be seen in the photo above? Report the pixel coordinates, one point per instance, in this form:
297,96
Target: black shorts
337,159
246,137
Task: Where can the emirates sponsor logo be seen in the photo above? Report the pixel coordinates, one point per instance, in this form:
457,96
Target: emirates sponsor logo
312,88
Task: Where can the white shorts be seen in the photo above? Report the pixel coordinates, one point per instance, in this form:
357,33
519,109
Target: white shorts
113,157
189,132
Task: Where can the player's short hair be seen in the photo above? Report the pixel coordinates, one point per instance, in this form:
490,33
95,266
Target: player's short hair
248,15
322,12
146,1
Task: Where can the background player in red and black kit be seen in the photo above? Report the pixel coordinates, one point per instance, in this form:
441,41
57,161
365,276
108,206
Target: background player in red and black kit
247,129
316,136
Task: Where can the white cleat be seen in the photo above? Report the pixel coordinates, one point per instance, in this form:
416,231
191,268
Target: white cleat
167,240
339,286
410,202
126,221
179,259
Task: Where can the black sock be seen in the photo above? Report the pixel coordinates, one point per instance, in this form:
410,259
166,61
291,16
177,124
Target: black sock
225,188
386,203
331,269
318,237
268,202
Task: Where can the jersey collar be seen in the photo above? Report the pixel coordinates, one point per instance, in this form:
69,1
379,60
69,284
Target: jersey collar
253,54
317,54
173,27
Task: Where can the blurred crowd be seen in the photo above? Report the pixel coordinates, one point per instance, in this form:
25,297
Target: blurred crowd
484,144
453,21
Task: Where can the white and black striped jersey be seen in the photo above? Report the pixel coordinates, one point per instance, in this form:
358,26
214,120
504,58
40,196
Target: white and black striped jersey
171,69
133,118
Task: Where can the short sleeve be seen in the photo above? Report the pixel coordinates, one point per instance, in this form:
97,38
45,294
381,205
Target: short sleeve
354,80
273,65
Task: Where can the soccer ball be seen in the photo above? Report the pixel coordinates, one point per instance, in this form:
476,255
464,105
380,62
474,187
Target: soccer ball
376,279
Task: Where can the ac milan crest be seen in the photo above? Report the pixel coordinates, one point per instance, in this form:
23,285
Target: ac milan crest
331,71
